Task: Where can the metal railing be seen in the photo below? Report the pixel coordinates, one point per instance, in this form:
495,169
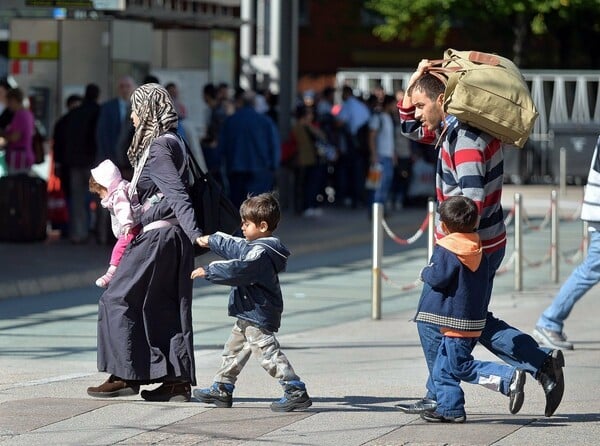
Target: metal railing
515,259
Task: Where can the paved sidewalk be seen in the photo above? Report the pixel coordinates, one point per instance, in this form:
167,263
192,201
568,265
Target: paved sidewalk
356,369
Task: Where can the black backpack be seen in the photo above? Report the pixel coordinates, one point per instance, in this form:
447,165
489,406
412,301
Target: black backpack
214,210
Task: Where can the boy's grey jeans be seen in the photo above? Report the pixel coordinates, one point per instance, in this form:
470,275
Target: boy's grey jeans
246,339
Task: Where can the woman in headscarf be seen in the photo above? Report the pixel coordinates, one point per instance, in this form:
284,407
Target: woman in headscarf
144,316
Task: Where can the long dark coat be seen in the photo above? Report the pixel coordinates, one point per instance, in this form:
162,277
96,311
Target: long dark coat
145,316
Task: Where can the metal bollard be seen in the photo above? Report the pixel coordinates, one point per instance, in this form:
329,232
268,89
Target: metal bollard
377,255
562,171
430,228
518,244
554,236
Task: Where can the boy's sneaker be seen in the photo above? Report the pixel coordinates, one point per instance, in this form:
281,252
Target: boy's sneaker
219,394
516,393
551,338
294,397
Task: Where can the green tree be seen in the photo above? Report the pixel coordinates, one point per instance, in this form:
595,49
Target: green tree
417,21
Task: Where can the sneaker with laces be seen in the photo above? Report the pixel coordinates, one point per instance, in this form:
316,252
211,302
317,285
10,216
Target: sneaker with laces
551,338
516,393
294,397
219,394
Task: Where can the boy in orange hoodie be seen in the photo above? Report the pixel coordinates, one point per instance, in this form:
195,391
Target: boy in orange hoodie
455,299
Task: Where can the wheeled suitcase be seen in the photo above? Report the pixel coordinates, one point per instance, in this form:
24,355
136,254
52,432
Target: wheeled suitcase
23,208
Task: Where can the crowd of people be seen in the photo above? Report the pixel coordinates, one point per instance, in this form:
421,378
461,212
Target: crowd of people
324,159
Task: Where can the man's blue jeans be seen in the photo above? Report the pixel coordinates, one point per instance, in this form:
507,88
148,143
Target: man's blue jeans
506,342
584,277
454,364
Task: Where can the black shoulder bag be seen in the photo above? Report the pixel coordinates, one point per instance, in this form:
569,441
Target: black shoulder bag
214,210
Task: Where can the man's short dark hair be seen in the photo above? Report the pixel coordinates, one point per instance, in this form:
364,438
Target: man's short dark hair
72,99
430,85
92,92
262,207
210,90
459,214
347,89
16,94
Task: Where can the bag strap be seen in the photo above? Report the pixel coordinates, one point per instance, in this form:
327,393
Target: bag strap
440,69
484,58
192,163
140,165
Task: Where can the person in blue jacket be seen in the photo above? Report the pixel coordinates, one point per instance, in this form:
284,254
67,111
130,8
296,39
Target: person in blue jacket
251,268
455,299
250,146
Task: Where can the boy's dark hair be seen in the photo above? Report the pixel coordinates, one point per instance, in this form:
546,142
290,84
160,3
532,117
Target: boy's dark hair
459,214
95,187
430,85
263,207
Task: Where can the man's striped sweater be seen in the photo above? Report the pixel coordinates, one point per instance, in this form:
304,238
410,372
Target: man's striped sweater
470,163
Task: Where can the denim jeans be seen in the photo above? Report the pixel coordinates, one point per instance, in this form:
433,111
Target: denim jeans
455,363
506,342
584,277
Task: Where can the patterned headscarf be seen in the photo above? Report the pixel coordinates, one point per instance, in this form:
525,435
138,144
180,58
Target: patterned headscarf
154,106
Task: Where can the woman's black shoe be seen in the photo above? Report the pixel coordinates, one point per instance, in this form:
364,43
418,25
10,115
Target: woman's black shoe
169,392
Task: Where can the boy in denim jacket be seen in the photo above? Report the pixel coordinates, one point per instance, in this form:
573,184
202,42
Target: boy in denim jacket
455,299
251,268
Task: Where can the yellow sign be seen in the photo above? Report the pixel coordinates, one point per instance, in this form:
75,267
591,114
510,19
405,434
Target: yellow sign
27,49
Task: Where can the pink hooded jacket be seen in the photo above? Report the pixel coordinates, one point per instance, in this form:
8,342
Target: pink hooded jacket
117,200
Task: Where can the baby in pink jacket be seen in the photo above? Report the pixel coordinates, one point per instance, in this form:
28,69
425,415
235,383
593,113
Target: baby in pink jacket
106,181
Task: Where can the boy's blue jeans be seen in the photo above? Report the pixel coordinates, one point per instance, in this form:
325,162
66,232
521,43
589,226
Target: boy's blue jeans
509,344
455,363
584,277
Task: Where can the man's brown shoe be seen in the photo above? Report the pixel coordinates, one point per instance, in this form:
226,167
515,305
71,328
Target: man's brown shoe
172,392
113,387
